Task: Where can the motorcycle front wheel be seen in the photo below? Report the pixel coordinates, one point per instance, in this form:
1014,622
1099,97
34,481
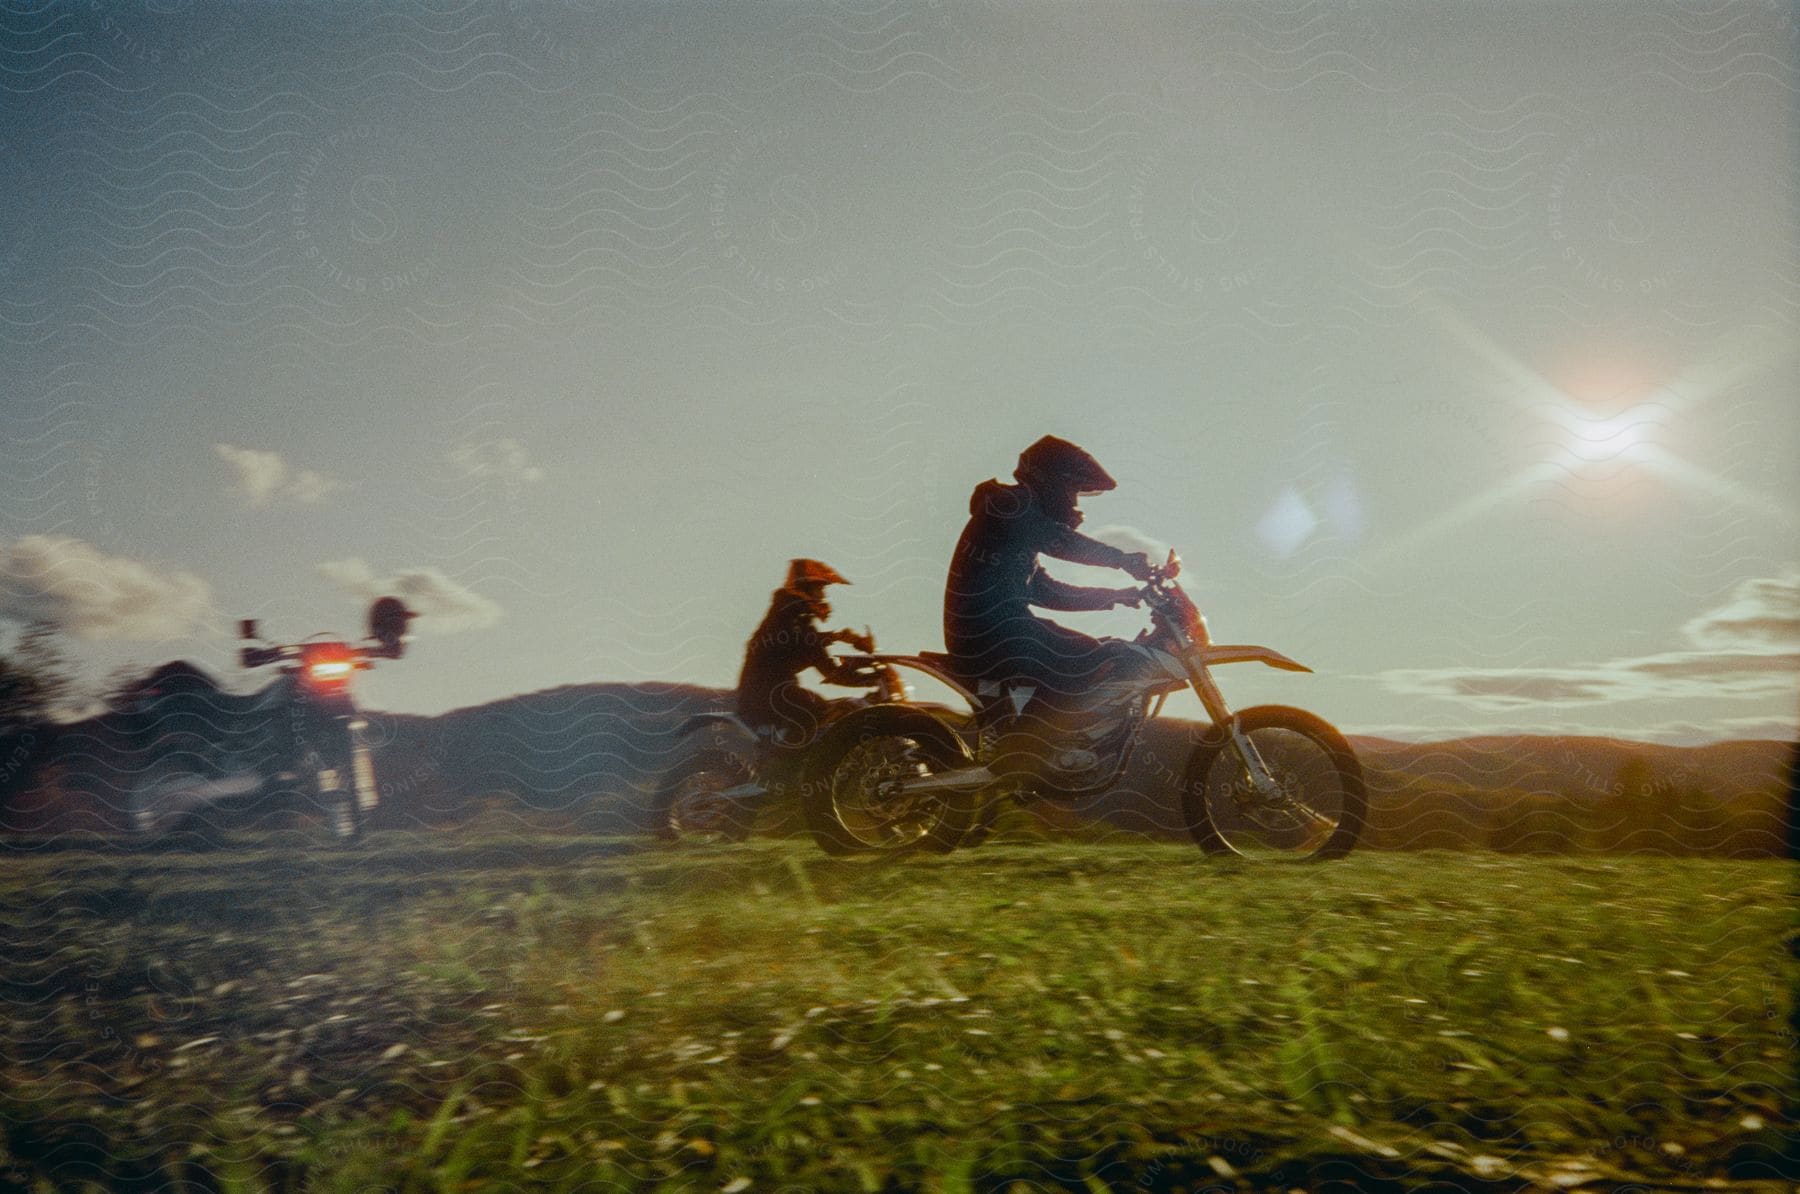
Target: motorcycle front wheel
688,808
330,780
1314,809
853,795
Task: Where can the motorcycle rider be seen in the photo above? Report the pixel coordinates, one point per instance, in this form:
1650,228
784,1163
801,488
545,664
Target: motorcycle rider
789,640
995,578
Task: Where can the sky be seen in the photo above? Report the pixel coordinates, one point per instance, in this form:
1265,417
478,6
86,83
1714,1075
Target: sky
1452,345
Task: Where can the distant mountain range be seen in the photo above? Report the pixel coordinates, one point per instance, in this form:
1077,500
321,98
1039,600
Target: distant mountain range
591,754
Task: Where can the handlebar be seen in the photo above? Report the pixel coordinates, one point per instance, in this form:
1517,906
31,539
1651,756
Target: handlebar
1169,603
1162,574
360,657
864,642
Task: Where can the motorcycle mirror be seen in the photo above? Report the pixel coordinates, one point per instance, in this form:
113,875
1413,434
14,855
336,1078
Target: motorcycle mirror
247,628
387,625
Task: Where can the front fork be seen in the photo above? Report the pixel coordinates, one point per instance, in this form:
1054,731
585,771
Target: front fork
1214,702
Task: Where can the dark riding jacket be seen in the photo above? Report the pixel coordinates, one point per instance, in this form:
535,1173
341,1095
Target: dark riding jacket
787,642
995,578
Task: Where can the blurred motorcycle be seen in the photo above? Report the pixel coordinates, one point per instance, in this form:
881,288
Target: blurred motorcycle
732,769
214,759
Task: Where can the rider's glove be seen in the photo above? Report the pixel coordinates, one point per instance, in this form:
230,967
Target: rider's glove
1128,597
861,642
1138,565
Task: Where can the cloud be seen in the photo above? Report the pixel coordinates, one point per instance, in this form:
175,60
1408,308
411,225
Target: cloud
261,476
1674,676
1689,733
1763,614
92,595
1678,733
1747,648
1522,687
1760,727
443,605
1723,666
503,460
1131,539
310,487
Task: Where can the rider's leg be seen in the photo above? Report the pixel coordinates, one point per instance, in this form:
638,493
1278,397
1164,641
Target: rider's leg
1053,677
798,713
1128,661
1062,663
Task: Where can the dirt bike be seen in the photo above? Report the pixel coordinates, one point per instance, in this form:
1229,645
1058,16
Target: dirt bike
216,759
1265,782
733,769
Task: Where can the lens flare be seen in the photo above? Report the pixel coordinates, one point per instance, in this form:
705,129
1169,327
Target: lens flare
1601,439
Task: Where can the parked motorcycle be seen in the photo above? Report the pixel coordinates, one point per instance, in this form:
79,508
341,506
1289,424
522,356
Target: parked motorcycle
1265,782
732,769
217,759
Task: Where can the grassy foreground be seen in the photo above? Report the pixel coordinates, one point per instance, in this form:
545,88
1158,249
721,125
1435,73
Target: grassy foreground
444,1013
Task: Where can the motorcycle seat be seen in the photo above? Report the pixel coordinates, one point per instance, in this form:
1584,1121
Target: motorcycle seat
778,738
1107,669
948,664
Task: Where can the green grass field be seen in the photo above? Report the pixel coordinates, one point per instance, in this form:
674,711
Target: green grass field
456,1013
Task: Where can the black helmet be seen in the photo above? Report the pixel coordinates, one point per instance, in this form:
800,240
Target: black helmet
1057,467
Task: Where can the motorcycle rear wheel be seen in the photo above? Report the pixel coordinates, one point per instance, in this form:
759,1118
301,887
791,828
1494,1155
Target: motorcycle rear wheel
686,808
851,798
1317,811
981,825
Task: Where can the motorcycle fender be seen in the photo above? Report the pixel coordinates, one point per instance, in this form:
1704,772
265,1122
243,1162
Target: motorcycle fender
1247,653
918,722
725,721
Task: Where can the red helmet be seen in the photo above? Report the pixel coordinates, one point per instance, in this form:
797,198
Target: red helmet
1056,466
812,572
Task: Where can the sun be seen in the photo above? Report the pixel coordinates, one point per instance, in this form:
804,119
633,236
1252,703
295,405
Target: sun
1582,445
1605,439
1598,437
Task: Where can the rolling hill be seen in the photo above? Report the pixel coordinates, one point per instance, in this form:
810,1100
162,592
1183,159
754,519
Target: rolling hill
591,754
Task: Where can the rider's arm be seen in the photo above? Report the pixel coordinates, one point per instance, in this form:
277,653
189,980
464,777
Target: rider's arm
831,668
1046,592
836,671
1067,543
854,638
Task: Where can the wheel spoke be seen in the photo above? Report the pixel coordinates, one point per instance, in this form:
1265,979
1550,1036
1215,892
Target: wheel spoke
1319,819
1296,818
696,809
868,800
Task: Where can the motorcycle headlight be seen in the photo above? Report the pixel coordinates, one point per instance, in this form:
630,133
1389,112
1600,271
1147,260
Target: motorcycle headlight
327,666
